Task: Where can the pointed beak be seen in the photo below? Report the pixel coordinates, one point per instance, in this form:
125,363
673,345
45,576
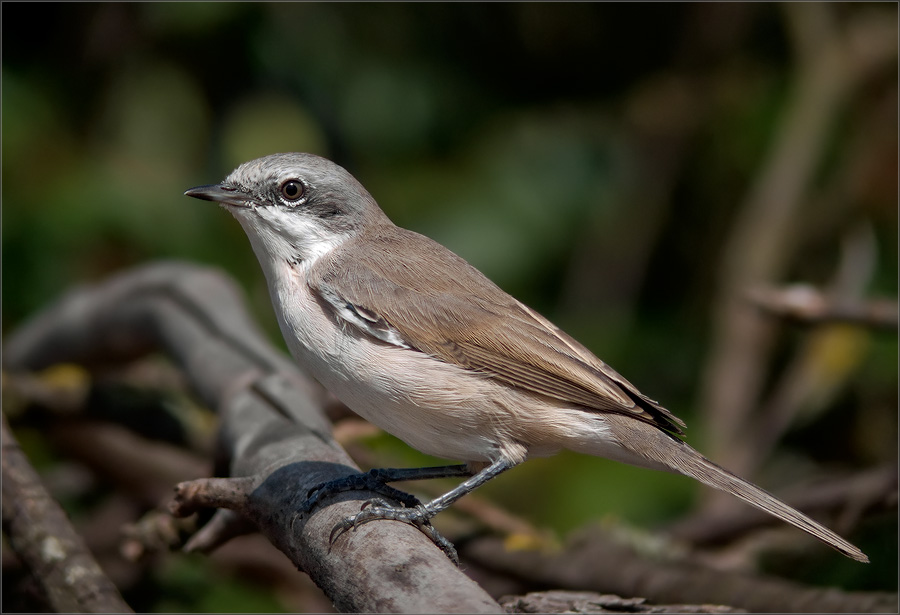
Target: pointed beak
221,194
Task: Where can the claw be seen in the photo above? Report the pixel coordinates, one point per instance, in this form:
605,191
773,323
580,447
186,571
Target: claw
410,510
339,529
418,517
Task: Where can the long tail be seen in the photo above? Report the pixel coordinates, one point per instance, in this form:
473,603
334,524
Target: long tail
661,449
697,466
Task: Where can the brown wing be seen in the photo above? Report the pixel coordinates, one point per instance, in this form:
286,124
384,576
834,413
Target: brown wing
424,292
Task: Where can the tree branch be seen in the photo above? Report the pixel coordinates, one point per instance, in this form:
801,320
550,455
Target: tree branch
806,304
273,433
40,533
593,602
596,561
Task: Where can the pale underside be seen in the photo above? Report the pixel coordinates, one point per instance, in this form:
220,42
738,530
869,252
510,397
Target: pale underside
454,373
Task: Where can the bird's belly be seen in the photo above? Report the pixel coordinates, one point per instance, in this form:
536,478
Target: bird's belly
404,398
435,407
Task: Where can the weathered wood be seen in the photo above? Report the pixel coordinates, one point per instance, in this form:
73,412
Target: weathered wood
273,432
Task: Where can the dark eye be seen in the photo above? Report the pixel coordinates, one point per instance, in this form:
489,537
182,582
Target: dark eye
292,189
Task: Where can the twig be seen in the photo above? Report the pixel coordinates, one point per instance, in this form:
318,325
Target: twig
806,304
42,536
143,468
812,376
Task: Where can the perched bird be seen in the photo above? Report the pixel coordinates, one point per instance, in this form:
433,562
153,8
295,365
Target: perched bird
413,338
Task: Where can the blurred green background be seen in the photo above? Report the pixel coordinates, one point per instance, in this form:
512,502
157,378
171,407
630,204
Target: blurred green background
589,158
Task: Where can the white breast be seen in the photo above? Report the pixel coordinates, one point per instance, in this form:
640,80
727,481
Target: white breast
435,407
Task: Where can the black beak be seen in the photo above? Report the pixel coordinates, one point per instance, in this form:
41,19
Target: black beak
220,194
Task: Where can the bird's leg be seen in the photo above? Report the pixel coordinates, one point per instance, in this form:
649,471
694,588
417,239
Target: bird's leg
376,480
420,514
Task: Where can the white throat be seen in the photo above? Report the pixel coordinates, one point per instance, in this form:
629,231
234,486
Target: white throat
287,237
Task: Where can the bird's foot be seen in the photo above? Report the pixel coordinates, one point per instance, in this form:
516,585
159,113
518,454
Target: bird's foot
418,516
367,481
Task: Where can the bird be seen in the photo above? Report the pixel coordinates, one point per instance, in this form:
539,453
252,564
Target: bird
419,342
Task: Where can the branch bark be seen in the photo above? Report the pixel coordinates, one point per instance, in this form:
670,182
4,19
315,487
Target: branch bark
592,602
807,304
595,561
276,438
40,533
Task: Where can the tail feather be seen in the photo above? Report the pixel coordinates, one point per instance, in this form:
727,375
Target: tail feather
650,447
693,464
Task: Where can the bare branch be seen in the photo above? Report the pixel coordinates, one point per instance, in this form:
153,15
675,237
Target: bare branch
592,602
807,304
597,561
224,525
42,536
138,466
273,431
278,446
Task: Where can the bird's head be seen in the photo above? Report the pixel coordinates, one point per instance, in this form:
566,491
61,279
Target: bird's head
294,206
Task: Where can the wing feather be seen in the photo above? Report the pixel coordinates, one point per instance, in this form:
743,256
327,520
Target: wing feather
405,289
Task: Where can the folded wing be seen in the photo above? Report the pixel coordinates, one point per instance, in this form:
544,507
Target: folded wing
426,303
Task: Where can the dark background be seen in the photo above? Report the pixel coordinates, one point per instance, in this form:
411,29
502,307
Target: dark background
593,159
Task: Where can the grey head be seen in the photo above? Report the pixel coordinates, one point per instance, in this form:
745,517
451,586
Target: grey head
294,206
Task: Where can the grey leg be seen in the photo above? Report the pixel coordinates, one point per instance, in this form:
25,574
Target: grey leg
420,515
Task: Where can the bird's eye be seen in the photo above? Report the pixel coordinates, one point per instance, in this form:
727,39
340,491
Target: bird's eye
292,189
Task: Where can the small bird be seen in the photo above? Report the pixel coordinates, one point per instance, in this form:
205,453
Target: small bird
416,340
